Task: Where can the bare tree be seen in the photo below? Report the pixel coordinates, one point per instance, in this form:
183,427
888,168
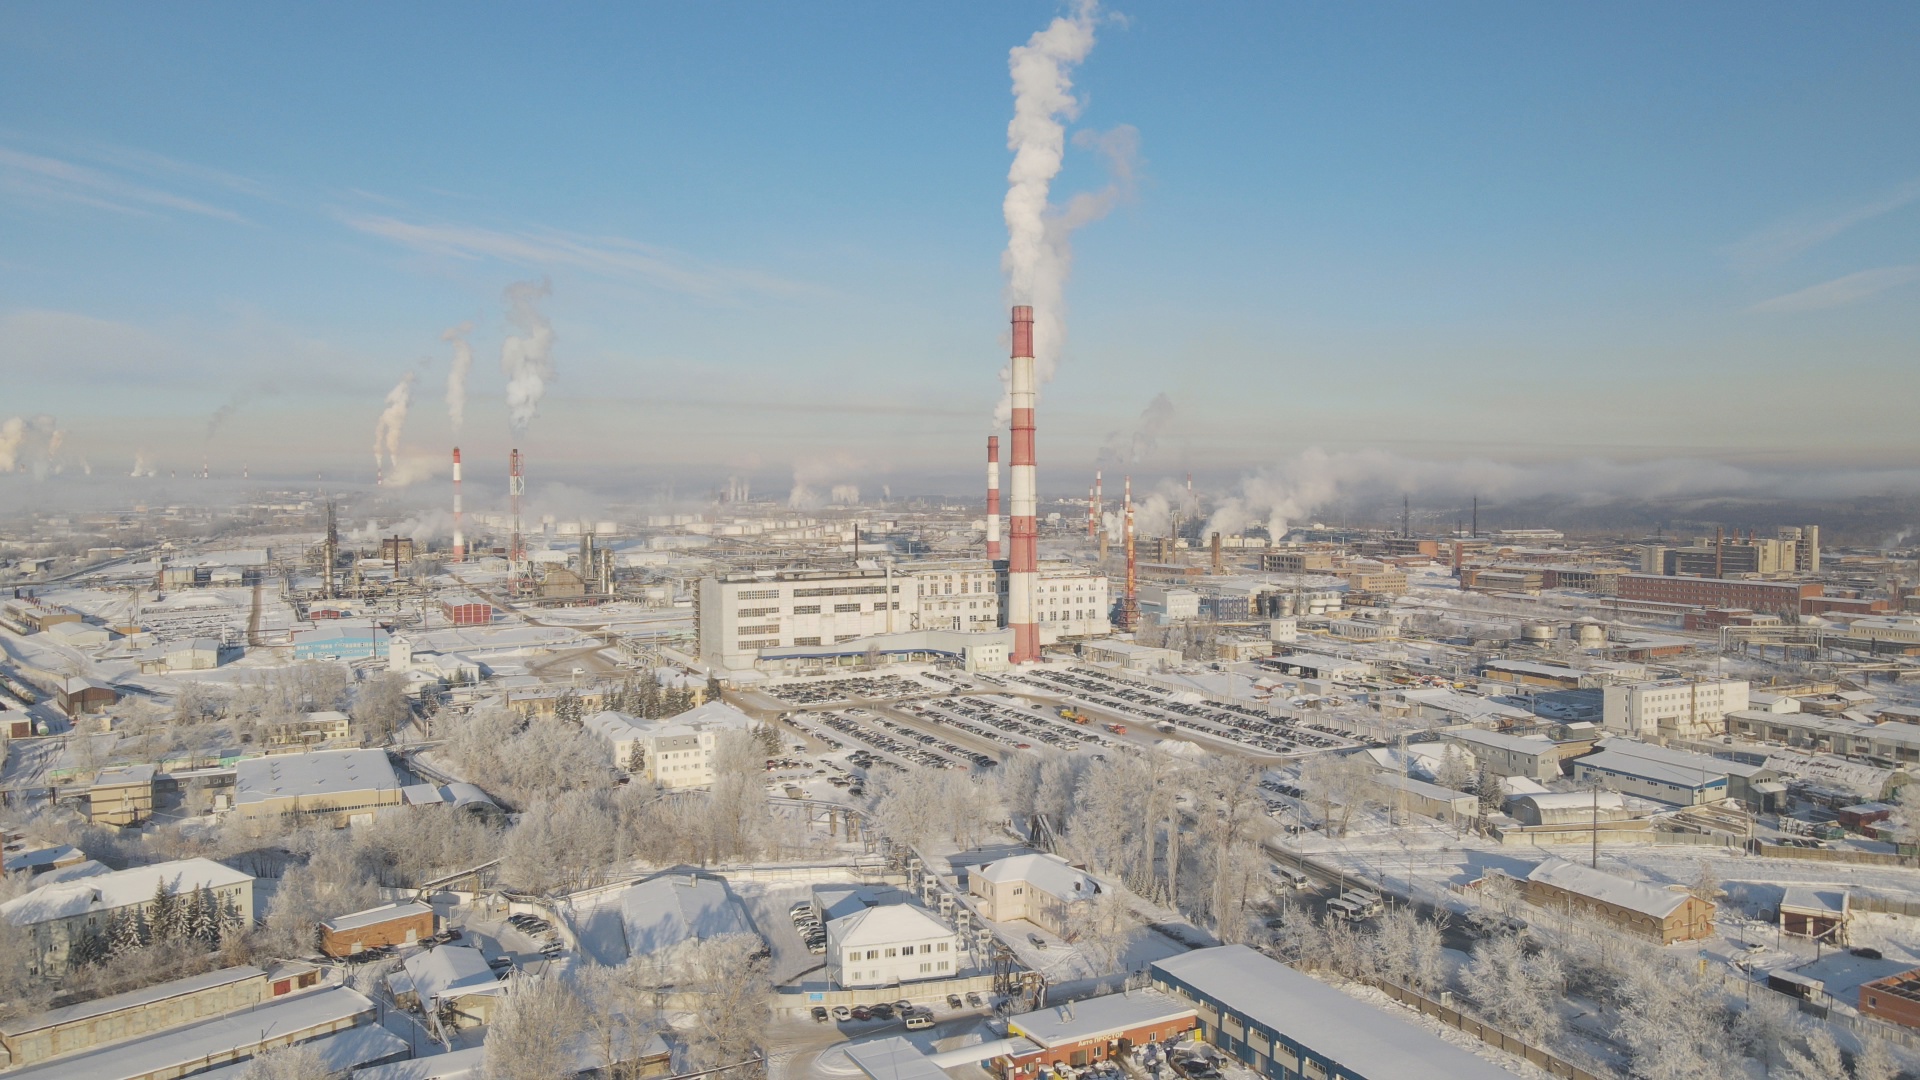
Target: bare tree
1336,780
1820,1061
729,973
536,1026
1518,988
1875,1060
380,705
1102,931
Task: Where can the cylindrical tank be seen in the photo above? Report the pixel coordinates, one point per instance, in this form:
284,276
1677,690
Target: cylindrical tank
1537,633
1592,634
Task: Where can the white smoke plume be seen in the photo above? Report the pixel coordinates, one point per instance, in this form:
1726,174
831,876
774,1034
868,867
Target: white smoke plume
1292,491
846,494
142,465
831,473
457,373
1039,251
1131,446
527,357
29,443
393,419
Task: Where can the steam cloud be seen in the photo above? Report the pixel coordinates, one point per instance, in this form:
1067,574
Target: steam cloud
29,444
527,357
142,465
831,474
393,419
457,373
1039,251
1292,491
1132,446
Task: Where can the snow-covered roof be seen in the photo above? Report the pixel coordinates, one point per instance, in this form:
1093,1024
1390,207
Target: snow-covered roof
123,774
664,911
613,726
441,972
116,889
458,1065
46,856
460,796
373,916
1576,800
1831,900
1050,874
1495,740
1698,775
176,1050
1366,1040
1608,889
145,996
1685,759
887,924
1099,1017
338,1053
313,772
893,1058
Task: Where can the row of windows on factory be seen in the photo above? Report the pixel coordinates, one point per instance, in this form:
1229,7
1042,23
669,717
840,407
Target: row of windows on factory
853,955
806,609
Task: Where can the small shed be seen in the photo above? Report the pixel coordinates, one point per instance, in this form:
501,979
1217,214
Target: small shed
1860,817
79,696
1816,911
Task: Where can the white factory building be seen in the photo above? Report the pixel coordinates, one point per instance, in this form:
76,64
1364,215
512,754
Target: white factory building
786,613
1671,708
890,944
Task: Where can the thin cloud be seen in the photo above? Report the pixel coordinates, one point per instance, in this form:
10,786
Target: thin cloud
51,178
1840,292
1781,242
610,256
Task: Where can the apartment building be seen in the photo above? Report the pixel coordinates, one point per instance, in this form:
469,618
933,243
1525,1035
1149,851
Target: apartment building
1672,708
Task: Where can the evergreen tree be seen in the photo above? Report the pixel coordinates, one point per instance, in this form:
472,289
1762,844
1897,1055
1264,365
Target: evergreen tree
636,759
202,921
233,923
164,913
122,935
88,949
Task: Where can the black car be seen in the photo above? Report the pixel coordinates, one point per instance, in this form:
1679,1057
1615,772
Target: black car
819,1014
881,1010
953,1001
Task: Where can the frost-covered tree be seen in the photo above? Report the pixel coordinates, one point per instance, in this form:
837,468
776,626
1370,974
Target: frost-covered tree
1874,1061
380,705
300,1061
1518,988
535,1026
1766,1027
1336,780
1819,1060
1673,1018
729,975
1409,950
1102,931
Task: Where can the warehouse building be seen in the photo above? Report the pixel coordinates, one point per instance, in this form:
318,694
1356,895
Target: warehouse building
1286,1025
1677,783
1781,598
1535,757
335,787
340,641
1662,916
403,922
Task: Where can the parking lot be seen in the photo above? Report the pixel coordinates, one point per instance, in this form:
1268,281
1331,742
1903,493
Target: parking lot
1164,709
856,688
1008,722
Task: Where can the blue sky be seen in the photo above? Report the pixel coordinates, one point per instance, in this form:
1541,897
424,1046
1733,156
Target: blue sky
1506,232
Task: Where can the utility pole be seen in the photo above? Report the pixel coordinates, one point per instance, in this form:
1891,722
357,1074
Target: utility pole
1593,860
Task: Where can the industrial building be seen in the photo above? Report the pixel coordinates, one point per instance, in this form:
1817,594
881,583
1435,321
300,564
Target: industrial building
1043,889
1818,912
1286,1025
121,795
1675,782
340,640
1660,915
740,614
403,922
336,787
1781,598
73,1029
1535,756
1672,708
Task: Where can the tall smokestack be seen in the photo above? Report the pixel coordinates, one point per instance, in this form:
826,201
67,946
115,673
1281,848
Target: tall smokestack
1129,601
1023,561
1089,511
993,498
1219,565
516,549
459,538
1719,551
1097,522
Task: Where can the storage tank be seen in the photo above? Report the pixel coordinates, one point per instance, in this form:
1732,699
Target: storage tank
1592,634
1537,633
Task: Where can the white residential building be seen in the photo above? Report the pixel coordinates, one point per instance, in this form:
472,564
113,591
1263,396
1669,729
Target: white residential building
1044,889
1671,708
682,751
890,944
58,915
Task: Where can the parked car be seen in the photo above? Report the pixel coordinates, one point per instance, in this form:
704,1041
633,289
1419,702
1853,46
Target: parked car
1037,941
919,1018
861,1012
974,1000
819,1014
841,1012
881,1010
953,1001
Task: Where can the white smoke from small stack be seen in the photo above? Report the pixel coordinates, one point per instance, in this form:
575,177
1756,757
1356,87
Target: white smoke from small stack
457,373
142,465
1039,251
527,357
12,434
393,419
846,494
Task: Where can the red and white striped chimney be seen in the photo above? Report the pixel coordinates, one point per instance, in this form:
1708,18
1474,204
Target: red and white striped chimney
993,498
1023,561
459,538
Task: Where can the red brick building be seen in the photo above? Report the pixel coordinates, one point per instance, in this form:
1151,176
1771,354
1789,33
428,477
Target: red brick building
1895,999
1778,597
1080,1033
389,924
466,609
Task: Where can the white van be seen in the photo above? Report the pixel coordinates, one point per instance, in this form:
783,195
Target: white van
919,1018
